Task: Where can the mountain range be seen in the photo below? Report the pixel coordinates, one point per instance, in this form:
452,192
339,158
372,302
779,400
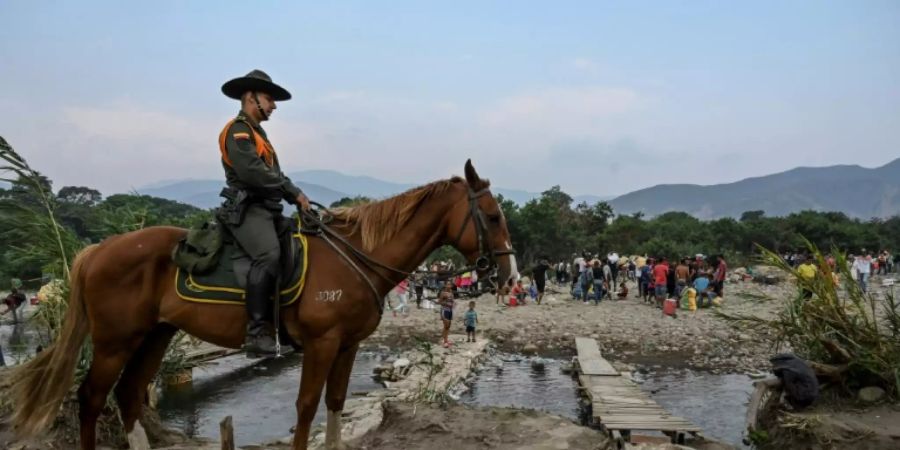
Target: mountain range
323,186
854,190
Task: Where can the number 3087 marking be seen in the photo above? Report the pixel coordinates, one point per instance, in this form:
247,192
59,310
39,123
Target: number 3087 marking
329,296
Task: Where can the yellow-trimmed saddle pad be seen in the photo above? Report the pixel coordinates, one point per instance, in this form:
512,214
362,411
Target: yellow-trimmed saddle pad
221,285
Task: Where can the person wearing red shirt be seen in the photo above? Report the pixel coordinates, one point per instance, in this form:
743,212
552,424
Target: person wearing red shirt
660,273
719,277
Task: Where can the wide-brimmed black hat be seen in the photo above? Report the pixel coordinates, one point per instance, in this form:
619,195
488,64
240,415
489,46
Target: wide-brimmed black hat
256,81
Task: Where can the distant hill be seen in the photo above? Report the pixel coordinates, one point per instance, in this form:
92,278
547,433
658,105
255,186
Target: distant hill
853,190
375,188
205,193
323,186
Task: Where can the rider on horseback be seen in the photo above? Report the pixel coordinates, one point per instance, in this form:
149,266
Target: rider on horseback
256,187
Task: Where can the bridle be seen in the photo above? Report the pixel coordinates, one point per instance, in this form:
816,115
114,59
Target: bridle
487,256
313,224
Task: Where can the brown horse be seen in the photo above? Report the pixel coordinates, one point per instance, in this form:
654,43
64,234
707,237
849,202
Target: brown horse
122,294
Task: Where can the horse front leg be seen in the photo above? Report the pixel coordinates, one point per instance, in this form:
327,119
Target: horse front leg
336,394
318,357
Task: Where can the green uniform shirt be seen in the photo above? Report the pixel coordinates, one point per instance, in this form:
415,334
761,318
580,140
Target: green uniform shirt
249,172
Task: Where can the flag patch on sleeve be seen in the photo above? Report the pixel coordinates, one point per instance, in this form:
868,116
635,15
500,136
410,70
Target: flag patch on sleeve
241,136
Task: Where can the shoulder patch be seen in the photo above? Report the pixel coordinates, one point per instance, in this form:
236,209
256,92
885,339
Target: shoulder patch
241,136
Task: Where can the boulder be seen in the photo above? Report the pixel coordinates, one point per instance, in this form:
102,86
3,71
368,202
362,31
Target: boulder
529,349
401,363
871,394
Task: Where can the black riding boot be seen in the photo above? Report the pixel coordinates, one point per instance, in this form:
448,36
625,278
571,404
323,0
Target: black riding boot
260,339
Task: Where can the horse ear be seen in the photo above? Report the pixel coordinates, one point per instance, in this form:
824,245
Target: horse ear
471,175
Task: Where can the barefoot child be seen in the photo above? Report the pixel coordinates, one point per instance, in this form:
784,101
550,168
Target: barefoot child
471,319
623,291
446,301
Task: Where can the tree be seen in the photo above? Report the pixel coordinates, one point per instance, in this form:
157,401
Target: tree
350,201
749,216
79,195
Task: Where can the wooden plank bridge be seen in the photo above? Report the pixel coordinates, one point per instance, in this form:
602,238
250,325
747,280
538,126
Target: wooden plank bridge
617,402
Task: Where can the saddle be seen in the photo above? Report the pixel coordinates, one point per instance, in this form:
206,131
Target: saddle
212,268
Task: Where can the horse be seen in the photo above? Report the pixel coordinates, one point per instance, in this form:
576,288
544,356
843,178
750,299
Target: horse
123,296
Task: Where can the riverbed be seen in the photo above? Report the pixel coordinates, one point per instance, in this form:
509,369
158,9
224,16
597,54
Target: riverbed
258,395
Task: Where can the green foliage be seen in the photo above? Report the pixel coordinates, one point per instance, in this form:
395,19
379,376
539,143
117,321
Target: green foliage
856,336
550,225
429,391
758,437
42,231
446,253
350,201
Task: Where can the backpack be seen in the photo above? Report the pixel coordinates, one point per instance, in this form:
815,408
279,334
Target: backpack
198,252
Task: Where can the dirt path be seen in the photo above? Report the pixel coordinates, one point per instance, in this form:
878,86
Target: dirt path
419,427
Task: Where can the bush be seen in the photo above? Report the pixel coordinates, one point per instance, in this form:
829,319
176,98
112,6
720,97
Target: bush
847,335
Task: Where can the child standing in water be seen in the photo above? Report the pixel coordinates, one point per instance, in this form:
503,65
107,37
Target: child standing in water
446,301
471,319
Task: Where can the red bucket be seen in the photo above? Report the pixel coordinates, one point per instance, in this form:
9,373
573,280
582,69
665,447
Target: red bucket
670,307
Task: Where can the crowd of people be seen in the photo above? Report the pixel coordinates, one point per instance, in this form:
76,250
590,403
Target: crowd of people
689,282
862,267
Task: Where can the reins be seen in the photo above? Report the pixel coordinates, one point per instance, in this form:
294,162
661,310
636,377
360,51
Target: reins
314,223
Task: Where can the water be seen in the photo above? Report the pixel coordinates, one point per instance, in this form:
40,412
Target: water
19,341
260,398
717,403
511,380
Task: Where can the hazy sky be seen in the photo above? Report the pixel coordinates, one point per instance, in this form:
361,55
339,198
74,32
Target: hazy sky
598,97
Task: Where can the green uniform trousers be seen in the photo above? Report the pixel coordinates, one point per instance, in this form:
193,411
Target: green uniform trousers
257,237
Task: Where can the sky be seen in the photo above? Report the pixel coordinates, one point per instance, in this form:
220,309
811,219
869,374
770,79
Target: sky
598,97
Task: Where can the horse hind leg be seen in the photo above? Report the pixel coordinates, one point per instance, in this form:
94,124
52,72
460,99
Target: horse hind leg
131,390
105,369
336,394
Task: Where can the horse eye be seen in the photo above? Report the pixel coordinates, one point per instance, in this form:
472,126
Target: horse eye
494,218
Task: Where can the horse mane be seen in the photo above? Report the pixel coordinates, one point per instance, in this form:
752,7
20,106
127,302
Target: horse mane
379,221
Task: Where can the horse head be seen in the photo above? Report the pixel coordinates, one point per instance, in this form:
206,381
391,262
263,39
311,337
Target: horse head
482,236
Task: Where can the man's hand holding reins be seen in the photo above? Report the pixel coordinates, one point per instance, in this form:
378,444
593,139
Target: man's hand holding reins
303,201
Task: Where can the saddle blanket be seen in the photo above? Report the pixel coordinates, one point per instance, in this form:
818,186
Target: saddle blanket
221,285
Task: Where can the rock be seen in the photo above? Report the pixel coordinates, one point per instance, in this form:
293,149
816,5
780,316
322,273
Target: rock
401,363
529,349
871,394
537,364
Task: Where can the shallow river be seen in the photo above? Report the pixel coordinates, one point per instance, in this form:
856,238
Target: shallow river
260,398
717,403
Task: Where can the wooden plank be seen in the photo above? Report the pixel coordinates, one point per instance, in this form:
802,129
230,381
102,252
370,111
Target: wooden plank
650,426
647,424
618,403
589,359
226,433
631,427
597,367
642,418
635,411
587,347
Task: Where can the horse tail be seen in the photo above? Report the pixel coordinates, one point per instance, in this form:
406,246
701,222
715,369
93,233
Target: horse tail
40,385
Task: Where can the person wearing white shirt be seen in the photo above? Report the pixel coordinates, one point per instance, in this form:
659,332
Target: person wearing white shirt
863,267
